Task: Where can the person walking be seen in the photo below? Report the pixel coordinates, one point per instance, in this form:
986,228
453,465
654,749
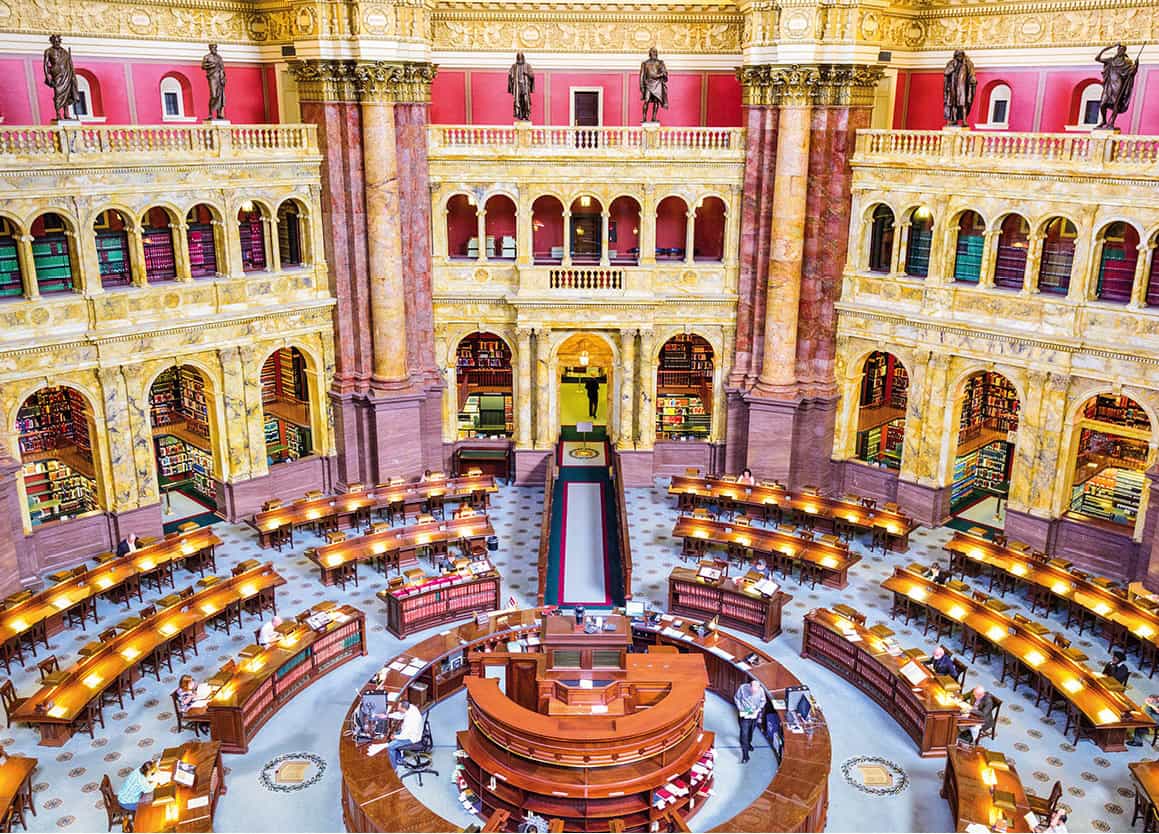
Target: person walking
593,389
750,702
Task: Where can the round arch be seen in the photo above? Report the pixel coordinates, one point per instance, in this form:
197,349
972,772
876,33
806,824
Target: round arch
159,239
882,221
983,425
685,376
112,226
1117,254
253,218
500,212
204,236
1013,246
13,279
883,398
189,457
547,229
483,384
671,227
970,245
1059,235
571,398
292,221
290,390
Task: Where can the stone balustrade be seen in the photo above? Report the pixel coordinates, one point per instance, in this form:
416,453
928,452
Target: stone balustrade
80,144
1099,151
586,278
647,142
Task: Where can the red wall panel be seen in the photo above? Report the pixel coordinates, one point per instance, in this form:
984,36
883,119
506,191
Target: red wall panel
723,106
1061,96
1147,90
683,100
449,98
610,83
15,105
1023,86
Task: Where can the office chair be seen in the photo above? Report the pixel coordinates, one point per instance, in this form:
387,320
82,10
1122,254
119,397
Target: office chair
416,758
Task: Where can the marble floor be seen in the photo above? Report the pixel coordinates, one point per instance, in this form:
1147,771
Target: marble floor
1097,785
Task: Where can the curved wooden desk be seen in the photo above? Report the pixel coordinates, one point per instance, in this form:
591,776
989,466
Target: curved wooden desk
375,799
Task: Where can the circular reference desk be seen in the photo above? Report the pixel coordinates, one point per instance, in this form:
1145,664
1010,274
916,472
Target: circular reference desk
375,799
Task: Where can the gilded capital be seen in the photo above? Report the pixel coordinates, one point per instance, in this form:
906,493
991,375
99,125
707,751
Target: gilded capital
406,82
823,85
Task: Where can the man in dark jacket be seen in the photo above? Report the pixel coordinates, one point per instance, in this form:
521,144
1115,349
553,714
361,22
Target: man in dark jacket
1117,668
127,545
593,388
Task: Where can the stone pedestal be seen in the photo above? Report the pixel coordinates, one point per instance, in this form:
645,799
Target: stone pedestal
531,466
928,505
1025,527
769,452
397,442
287,481
1149,547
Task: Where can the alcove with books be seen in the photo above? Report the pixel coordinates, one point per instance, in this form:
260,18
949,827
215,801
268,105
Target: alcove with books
1111,441
881,410
59,470
684,388
484,385
180,404
987,423
286,405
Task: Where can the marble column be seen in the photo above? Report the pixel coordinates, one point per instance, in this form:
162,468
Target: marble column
1142,271
566,238
273,245
384,246
232,252
779,368
1033,264
646,405
648,227
524,231
605,256
16,563
523,389
481,232
625,439
27,266
137,272
544,383
689,236
989,257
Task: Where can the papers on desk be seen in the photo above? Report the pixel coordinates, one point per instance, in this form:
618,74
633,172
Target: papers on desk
585,684
375,749
743,667
199,703
413,669
184,774
777,704
204,690
719,652
398,666
533,640
341,618
391,697
767,587
1031,820
671,632
852,637
913,673
198,801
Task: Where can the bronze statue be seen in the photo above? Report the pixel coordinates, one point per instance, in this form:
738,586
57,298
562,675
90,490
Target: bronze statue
1118,82
214,68
60,75
521,84
653,85
958,88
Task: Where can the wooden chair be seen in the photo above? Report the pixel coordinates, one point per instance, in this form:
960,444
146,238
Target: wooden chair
1077,616
112,807
48,666
147,612
993,731
181,642
1040,595
121,684
37,633
11,700
1043,688
960,669
151,663
693,549
976,644
437,506
1076,721
346,572
1014,667
810,572
11,650
125,592
183,723
91,715
14,815
1044,808
1143,807
108,635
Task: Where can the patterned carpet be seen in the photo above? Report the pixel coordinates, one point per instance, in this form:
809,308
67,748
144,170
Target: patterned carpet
1097,785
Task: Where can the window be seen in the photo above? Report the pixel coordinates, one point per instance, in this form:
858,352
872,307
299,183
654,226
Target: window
1088,115
84,97
172,99
999,114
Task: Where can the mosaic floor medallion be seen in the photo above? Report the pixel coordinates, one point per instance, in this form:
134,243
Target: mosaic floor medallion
292,772
874,775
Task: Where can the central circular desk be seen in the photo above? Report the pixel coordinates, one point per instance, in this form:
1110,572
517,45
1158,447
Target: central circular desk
374,798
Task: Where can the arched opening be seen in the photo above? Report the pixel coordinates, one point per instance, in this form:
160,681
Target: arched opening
199,231
462,228
881,233
971,243
112,233
1013,243
624,231
88,104
586,368
52,255
708,230
587,230
547,230
291,237
881,410
1151,297
158,242
176,98
1086,109
998,107
499,226
286,405
1110,458
1057,256
251,228
1119,245
918,243
671,229
180,404
11,276
56,431
684,389
987,423
483,382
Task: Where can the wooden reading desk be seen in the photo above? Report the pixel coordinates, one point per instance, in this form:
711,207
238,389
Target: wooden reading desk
248,692
434,600
179,807
930,711
1145,775
1121,615
398,546
979,785
16,784
832,558
343,510
735,602
1110,713
57,704
895,527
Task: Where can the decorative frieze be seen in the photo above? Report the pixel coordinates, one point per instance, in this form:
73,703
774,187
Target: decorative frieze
824,85
352,81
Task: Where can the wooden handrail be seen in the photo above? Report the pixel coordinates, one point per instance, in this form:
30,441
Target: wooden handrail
622,516
545,528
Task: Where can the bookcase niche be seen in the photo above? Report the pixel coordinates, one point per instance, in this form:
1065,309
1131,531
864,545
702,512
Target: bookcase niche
157,239
881,415
56,452
11,278
483,374
253,239
286,406
1110,459
179,412
112,238
684,389
202,244
51,256
986,428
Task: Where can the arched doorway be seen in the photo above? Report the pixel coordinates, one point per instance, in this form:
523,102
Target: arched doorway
547,230
684,389
483,386
587,230
56,436
1113,434
286,405
624,231
180,405
585,363
462,228
987,425
881,410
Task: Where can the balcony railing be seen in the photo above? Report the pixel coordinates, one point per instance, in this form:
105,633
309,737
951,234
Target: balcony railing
585,278
1090,151
625,142
143,143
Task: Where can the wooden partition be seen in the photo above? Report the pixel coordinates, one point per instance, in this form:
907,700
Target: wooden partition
622,516
545,529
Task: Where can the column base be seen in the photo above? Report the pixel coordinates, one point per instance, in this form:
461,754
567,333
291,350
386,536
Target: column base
861,478
928,505
1035,531
637,467
287,481
807,425
531,466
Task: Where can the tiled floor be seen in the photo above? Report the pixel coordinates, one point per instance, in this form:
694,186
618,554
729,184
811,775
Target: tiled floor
1097,785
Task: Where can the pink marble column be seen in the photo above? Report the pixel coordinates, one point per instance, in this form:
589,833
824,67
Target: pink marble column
752,266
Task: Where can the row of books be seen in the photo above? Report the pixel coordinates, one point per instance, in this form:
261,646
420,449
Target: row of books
56,492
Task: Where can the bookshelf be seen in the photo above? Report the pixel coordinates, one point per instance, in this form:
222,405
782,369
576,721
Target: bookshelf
57,454
917,256
989,402
968,265
1055,270
289,235
682,417
483,373
684,388
113,250
11,281
202,245
965,469
1123,411
1116,272
56,491
177,402
751,613
1112,495
487,415
50,255
253,241
439,600
160,260
1010,265
993,467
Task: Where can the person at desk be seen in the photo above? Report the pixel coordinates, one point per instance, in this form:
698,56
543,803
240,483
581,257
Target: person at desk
186,693
1117,668
136,785
750,702
425,477
269,632
411,731
1151,707
746,478
942,663
127,545
938,575
1056,824
982,705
